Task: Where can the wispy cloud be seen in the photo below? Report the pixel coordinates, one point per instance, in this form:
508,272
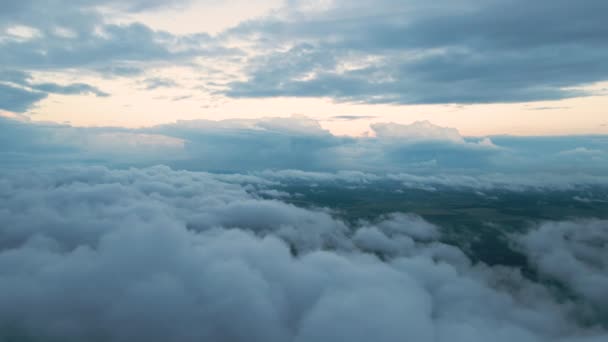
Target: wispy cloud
353,117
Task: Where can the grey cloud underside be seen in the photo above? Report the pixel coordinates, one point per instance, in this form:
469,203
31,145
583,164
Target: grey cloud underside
446,52
90,253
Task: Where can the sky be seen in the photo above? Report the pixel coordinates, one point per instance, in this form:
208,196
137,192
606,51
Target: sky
289,170
482,67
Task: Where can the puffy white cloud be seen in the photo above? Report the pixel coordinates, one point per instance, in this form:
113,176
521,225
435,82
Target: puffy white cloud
91,253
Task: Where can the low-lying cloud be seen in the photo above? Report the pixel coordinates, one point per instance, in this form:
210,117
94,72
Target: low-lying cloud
91,253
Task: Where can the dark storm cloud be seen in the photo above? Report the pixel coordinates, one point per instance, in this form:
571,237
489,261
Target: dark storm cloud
444,52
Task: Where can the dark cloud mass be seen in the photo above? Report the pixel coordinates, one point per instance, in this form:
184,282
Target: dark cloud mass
89,253
465,51
418,52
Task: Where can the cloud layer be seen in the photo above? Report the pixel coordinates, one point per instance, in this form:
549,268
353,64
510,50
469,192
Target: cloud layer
420,154
154,254
445,52
466,51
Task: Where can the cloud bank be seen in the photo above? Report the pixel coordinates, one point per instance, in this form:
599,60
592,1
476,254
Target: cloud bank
415,155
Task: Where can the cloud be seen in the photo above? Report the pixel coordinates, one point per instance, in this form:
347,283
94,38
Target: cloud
71,89
470,51
547,108
157,82
89,40
98,47
415,52
78,37
353,117
419,154
17,99
419,130
300,143
20,93
157,254
23,143
99,38
374,52
573,253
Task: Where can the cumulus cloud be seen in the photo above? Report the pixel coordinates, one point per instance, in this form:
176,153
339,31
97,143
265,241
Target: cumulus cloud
153,254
